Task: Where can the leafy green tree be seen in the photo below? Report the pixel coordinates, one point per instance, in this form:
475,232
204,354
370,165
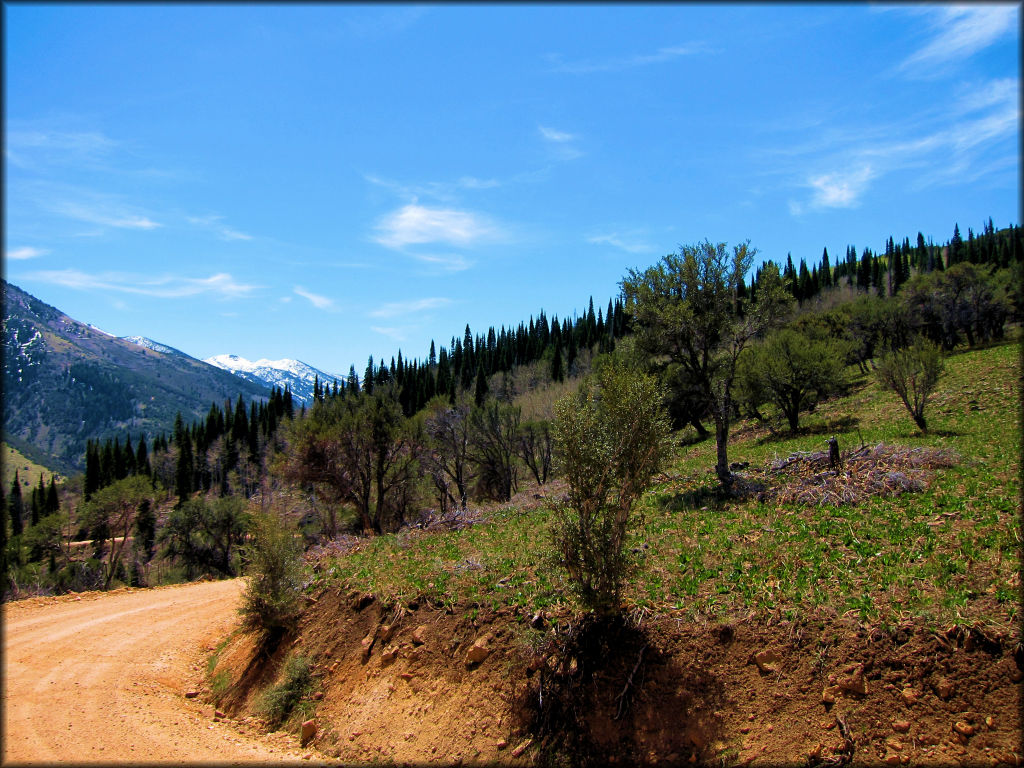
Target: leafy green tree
447,458
145,530
611,437
686,308
913,374
359,450
45,539
112,510
794,371
965,301
205,536
535,446
493,430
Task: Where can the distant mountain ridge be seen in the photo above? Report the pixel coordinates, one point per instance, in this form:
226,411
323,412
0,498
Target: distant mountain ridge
295,374
156,346
66,382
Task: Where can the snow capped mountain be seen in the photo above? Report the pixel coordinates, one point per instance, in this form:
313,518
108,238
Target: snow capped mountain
156,346
298,376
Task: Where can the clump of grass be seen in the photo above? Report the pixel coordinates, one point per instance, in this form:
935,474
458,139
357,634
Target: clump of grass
277,703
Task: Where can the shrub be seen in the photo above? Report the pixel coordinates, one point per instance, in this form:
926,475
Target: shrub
912,373
270,602
278,701
611,438
793,371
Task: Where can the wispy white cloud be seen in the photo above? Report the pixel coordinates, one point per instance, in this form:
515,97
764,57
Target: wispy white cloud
619,63
105,213
960,31
415,224
33,148
214,223
398,334
446,262
552,135
398,308
840,189
625,244
221,285
318,301
978,127
437,190
25,252
562,142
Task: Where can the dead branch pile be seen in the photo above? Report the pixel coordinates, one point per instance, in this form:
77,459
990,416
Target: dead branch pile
804,477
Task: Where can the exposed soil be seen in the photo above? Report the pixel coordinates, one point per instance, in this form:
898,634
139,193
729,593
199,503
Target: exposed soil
102,677
400,684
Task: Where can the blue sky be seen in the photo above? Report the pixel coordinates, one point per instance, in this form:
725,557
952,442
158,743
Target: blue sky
327,182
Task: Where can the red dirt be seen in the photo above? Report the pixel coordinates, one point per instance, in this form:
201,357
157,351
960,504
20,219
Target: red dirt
101,677
697,694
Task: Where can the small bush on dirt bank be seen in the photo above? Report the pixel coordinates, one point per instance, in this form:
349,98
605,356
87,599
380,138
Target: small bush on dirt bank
277,702
612,438
270,602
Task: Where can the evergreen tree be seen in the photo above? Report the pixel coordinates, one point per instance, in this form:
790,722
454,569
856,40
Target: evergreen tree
38,501
92,469
864,270
789,276
481,387
557,373
14,506
128,456
368,377
142,459
804,285
52,499
240,422
825,274
183,472
954,253
570,360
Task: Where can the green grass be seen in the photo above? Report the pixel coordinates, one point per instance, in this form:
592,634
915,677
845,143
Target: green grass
28,471
287,700
949,554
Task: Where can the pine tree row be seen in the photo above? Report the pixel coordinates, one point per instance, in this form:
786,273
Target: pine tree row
884,274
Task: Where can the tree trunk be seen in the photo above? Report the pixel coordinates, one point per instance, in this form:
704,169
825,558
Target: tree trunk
721,446
702,433
919,420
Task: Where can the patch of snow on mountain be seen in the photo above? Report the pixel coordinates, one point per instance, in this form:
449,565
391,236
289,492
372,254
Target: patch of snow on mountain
156,346
297,375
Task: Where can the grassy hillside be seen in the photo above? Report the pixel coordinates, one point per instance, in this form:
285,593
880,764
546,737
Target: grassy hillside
948,553
28,470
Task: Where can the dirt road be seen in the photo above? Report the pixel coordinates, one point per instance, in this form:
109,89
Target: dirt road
101,678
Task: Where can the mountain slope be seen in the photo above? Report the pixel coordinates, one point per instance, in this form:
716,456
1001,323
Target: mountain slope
295,374
66,382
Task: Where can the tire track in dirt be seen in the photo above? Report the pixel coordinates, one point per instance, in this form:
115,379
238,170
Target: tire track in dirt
102,677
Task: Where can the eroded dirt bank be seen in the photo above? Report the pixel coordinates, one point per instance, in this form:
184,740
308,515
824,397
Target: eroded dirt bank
102,677
420,685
